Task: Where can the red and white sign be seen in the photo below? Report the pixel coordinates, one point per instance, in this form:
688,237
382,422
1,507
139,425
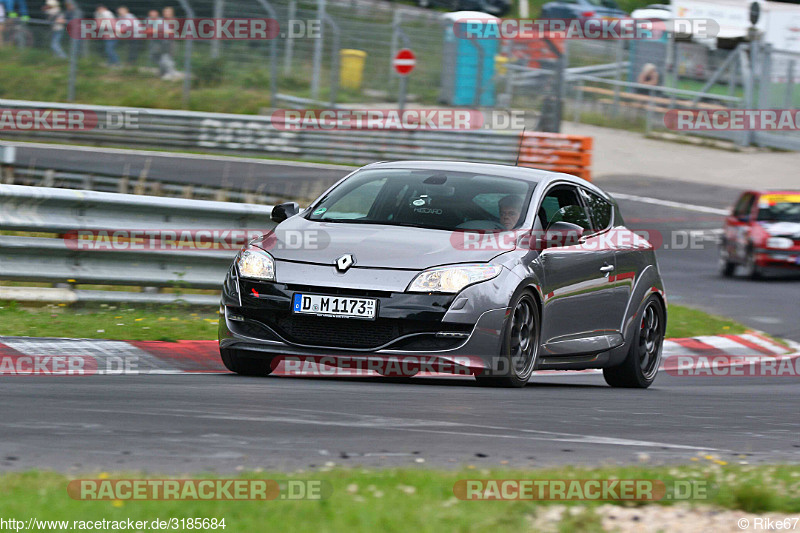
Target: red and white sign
404,62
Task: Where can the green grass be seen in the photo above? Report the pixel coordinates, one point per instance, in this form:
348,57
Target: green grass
688,322
408,499
118,322
177,322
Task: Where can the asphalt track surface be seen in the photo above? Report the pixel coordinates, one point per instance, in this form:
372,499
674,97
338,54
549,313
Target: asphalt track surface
220,422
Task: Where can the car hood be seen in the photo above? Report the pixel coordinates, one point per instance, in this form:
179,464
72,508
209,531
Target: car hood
782,229
372,245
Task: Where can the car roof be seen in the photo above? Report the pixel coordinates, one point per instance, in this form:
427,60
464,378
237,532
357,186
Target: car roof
543,177
762,192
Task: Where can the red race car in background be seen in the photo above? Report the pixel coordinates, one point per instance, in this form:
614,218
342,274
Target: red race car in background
762,231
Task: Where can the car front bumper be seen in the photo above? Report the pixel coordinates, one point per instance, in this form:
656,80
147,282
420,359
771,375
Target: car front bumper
445,331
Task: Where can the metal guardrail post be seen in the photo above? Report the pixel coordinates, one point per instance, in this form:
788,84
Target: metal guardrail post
334,58
288,51
618,75
317,59
578,101
273,55
219,11
187,57
73,68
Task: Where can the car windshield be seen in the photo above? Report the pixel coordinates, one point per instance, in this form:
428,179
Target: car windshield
779,208
435,199
611,4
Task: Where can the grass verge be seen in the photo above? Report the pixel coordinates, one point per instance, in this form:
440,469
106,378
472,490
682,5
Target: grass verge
171,323
407,499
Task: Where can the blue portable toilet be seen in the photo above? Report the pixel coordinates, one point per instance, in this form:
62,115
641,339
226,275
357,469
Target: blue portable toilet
468,64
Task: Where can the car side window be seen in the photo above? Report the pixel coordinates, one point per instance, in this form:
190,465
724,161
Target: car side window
744,206
601,211
561,204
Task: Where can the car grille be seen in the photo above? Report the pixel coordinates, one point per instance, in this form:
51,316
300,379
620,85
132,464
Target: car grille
345,332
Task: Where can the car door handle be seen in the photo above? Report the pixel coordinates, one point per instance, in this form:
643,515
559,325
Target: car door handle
606,268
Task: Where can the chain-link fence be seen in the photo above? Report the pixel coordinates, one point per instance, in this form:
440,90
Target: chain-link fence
339,52
303,64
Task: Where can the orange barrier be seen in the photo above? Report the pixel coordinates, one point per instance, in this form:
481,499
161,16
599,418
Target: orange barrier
557,152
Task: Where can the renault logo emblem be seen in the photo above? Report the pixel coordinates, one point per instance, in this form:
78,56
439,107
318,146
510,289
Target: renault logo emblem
345,262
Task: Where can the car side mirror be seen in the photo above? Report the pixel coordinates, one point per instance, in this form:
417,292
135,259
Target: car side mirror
743,218
562,234
283,211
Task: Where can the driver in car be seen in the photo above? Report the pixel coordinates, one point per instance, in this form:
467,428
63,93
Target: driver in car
510,209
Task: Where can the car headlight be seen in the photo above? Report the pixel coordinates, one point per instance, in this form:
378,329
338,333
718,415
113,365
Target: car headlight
452,279
255,263
779,242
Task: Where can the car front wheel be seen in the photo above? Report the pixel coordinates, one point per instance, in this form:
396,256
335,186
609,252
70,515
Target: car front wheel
640,366
520,346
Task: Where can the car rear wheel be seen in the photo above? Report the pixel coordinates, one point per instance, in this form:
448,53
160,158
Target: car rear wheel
640,367
238,361
520,346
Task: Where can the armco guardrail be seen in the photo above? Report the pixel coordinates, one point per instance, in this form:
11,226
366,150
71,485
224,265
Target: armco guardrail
61,212
255,134
217,132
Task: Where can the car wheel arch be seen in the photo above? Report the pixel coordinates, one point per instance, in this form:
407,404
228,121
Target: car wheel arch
648,282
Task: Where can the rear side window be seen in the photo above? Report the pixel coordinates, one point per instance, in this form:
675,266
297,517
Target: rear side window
601,211
561,204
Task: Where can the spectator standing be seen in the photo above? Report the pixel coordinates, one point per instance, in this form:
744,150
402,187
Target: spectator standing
55,17
128,23
72,12
110,44
166,62
153,45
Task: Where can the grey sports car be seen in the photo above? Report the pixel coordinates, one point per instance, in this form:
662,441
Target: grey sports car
492,270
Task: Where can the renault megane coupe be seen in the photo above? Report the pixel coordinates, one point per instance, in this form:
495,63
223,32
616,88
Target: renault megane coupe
499,270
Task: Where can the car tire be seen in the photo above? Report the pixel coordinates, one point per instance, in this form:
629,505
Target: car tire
640,367
520,345
726,266
751,268
237,361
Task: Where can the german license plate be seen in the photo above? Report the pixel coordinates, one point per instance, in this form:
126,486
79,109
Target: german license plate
334,306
